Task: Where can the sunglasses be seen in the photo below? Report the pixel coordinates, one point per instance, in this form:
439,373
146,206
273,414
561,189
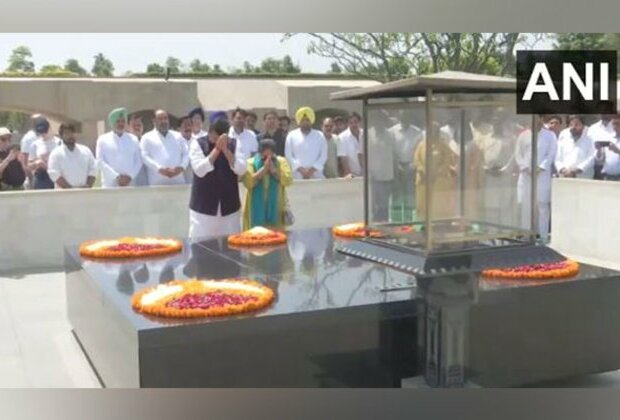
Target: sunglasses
5,139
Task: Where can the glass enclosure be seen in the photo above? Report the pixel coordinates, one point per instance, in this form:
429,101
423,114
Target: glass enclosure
456,185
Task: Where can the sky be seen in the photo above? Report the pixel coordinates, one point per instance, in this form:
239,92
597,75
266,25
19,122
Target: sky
133,52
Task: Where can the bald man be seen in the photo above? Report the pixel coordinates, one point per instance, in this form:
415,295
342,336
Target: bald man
164,152
306,148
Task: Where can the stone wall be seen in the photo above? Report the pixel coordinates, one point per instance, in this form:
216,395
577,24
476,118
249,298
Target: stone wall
38,224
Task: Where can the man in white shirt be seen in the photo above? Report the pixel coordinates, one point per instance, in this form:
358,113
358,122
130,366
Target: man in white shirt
118,153
197,120
546,152
26,142
135,126
575,155
306,148
215,205
71,165
381,168
601,131
187,132
407,137
164,153
611,153
350,148
245,138
38,156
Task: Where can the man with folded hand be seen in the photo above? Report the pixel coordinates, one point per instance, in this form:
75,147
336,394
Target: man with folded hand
217,161
164,153
118,153
306,148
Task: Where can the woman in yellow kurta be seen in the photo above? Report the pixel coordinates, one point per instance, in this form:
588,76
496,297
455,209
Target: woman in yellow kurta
266,179
442,177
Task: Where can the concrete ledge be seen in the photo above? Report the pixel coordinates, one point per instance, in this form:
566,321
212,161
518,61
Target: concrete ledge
38,224
584,220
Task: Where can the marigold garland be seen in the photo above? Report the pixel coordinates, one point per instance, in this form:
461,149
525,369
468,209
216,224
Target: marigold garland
203,298
355,230
566,268
257,236
130,247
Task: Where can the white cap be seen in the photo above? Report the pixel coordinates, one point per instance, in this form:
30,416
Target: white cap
4,132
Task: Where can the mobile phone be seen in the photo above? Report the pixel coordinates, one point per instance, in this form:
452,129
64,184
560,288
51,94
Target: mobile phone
602,143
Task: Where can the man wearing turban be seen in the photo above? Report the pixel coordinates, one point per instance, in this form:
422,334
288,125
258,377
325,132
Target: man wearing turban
118,153
306,148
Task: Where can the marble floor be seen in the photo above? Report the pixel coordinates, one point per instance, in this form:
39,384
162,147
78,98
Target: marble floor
37,348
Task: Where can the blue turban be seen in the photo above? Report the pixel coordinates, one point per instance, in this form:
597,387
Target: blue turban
197,111
218,115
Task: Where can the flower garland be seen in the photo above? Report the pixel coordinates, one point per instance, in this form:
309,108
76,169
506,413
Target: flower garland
257,236
557,270
202,298
355,230
130,247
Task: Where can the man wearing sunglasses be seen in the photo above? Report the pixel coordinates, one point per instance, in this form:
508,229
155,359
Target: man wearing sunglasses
12,174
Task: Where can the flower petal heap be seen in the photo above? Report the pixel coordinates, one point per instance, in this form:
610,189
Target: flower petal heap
203,298
130,247
355,230
557,270
257,236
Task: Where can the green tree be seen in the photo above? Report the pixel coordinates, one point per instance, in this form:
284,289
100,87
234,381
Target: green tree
174,64
335,69
197,67
392,56
14,120
587,41
20,60
276,66
50,68
102,67
155,68
72,65
580,41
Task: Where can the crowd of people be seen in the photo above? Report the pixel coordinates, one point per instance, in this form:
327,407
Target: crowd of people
215,156
228,150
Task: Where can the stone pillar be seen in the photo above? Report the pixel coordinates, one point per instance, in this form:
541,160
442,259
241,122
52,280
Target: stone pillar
447,305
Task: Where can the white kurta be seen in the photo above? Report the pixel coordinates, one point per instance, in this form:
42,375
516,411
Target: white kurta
306,151
118,156
74,166
406,141
381,147
350,147
546,151
159,151
601,132
202,226
27,141
612,159
201,133
246,140
577,154
41,149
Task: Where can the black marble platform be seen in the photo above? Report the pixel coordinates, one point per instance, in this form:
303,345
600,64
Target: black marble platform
331,324
340,321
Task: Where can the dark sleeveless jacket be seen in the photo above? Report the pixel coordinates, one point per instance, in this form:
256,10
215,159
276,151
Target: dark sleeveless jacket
220,186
